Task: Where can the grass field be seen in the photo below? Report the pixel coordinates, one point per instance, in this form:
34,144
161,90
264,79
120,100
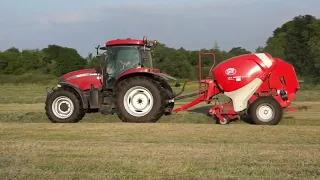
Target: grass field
187,145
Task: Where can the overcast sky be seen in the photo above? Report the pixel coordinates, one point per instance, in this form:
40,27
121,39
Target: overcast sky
193,24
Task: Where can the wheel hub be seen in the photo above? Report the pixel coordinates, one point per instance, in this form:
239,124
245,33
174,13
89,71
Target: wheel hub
62,107
138,101
265,112
225,121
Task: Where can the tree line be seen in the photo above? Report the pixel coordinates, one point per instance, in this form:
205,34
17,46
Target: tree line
296,41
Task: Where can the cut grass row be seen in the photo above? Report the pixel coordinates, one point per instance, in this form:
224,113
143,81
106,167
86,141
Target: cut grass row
35,93
25,103
34,113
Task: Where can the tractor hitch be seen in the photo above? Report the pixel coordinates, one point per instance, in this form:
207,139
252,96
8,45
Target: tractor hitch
189,95
182,90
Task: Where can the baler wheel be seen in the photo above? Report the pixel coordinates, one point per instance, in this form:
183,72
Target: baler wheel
63,106
266,111
226,120
139,100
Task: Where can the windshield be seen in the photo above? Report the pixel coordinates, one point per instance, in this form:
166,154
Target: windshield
121,58
147,59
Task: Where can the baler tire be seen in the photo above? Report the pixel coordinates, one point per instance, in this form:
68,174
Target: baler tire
150,86
272,104
247,118
226,118
77,114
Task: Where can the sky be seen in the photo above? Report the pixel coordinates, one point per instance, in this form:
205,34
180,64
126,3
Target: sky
192,24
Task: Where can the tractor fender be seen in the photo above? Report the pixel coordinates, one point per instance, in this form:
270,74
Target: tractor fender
81,94
150,74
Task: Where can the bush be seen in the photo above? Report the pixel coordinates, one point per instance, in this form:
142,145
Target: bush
28,78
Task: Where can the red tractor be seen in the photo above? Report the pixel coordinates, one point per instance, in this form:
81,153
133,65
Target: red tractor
259,86
127,84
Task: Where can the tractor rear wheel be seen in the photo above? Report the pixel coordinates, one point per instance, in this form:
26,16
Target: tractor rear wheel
139,100
169,107
266,111
63,106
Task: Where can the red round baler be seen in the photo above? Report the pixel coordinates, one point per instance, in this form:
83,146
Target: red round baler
259,86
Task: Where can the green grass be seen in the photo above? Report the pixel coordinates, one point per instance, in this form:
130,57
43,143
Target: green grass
186,145
158,151
23,93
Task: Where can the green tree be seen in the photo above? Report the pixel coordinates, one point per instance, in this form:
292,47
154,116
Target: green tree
66,59
297,42
296,48
236,51
314,42
259,49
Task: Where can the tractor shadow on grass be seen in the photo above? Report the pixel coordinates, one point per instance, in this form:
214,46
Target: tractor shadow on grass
289,117
205,109
201,110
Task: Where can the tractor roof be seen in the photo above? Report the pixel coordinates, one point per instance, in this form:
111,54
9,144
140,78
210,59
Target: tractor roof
127,41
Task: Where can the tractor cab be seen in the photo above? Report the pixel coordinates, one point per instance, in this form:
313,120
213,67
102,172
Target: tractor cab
124,54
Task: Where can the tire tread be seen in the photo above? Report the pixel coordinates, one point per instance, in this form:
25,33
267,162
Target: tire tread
155,115
270,100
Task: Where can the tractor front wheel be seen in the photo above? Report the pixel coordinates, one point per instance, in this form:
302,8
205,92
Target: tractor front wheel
63,106
266,111
139,100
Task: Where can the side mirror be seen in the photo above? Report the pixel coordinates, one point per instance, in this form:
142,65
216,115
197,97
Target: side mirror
98,50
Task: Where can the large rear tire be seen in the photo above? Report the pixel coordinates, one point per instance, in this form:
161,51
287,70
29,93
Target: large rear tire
139,100
266,111
63,106
169,107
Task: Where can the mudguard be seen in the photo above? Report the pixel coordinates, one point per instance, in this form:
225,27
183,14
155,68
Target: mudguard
160,77
83,97
145,71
